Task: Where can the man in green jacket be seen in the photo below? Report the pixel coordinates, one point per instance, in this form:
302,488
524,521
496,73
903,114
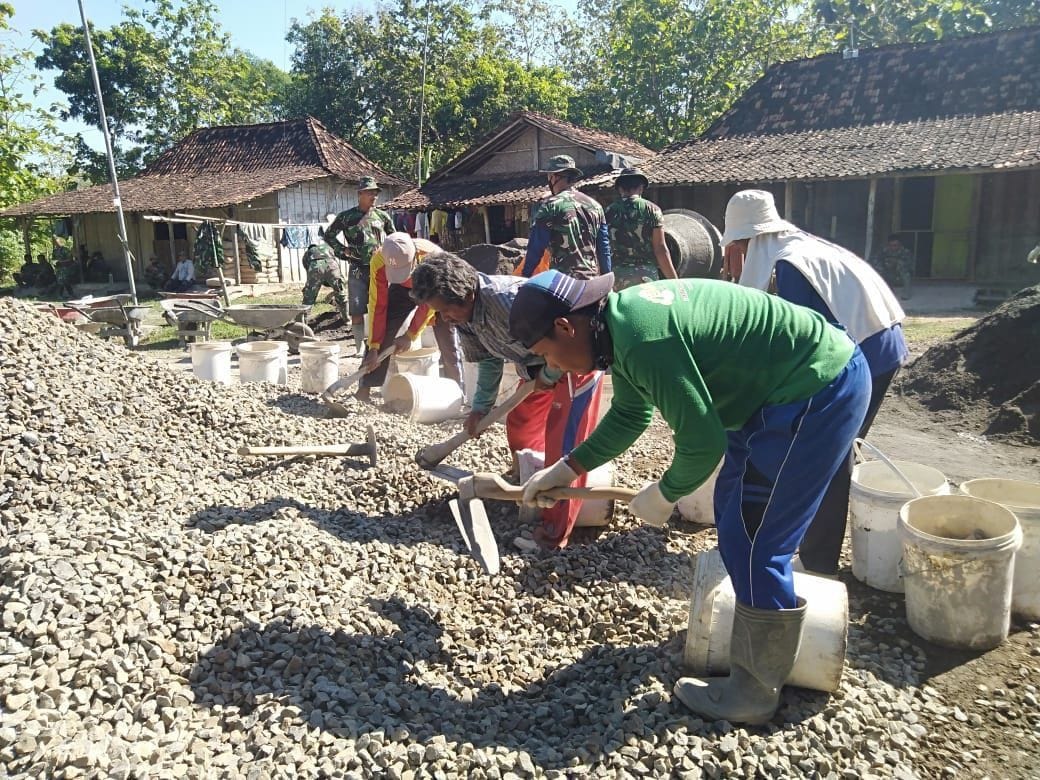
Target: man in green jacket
734,372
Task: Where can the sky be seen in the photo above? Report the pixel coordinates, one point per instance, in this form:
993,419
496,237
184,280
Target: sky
257,26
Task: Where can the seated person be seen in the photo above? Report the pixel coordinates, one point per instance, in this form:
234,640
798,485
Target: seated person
183,278
98,269
26,275
155,274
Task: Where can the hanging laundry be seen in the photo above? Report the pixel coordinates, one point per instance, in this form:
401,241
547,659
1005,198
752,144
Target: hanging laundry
208,251
252,250
439,223
422,225
457,221
295,238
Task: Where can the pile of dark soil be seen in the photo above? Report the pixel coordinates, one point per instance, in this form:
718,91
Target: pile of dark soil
494,258
329,327
989,372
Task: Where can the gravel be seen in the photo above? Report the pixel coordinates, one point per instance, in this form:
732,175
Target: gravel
171,609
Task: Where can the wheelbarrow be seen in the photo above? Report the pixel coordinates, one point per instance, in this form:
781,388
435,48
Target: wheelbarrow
190,321
116,312
267,321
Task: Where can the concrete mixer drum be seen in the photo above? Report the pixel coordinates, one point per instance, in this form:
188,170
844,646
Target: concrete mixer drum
694,243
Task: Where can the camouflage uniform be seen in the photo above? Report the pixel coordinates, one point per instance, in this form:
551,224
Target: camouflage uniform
632,222
573,220
323,269
896,266
364,233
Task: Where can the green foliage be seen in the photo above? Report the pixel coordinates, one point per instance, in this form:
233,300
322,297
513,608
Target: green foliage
662,70
897,21
32,151
361,74
166,70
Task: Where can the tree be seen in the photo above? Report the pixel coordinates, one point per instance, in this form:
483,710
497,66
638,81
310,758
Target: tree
362,75
662,70
881,22
166,70
32,151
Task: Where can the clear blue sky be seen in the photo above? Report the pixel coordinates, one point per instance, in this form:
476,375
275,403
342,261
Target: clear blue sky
257,26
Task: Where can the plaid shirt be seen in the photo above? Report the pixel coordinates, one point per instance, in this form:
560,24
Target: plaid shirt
486,335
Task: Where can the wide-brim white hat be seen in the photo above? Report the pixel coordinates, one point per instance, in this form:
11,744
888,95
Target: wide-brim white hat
751,213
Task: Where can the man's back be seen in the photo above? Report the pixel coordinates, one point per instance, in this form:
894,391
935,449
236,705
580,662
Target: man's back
573,219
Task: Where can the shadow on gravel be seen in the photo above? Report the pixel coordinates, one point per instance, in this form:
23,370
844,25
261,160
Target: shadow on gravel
300,405
356,684
639,556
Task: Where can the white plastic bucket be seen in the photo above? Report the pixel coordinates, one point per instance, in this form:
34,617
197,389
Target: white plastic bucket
425,399
593,512
699,506
879,488
424,361
211,361
1022,498
263,361
319,365
825,633
958,567
428,338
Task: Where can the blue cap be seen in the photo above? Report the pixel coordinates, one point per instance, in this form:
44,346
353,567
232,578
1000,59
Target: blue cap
549,295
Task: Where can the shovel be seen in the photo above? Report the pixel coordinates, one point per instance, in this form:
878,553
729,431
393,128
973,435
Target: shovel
471,516
335,409
430,457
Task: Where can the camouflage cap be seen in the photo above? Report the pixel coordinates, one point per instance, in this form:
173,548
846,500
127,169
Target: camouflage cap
367,183
561,163
629,177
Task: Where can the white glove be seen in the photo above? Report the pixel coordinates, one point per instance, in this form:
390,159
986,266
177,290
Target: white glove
650,505
557,475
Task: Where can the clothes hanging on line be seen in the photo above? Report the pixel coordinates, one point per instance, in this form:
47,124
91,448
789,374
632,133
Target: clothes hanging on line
295,238
422,225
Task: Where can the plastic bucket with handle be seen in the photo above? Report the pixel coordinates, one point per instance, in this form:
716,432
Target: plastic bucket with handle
263,361
879,488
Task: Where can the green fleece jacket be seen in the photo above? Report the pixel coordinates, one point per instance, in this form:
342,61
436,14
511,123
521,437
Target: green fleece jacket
708,354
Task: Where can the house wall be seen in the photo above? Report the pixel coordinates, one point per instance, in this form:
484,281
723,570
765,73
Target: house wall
100,233
1008,227
531,150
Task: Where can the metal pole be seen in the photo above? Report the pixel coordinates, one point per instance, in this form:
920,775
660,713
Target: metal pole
868,245
127,257
422,92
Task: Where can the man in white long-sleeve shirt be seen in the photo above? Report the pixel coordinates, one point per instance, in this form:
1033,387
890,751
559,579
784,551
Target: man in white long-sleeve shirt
183,277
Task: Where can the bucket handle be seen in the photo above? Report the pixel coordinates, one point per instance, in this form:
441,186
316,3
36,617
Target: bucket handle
857,444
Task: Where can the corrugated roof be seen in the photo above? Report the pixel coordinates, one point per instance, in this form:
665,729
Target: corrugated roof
220,166
976,75
488,190
997,141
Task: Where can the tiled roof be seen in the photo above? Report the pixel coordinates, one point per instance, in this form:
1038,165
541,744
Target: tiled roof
588,138
221,166
995,141
977,75
487,190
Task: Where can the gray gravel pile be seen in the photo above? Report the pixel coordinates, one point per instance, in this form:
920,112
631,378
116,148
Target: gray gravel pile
171,609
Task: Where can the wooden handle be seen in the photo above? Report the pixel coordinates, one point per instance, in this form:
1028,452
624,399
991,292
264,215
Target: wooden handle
435,453
495,487
321,449
347,381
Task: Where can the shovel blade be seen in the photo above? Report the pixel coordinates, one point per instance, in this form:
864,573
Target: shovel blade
472,519
451,474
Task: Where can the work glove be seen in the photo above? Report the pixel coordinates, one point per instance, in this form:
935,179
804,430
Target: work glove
557,475
650,505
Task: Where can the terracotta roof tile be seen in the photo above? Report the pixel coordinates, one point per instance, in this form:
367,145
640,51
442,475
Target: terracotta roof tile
995,141
487,190
976,75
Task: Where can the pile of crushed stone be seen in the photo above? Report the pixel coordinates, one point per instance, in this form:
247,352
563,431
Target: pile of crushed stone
989,373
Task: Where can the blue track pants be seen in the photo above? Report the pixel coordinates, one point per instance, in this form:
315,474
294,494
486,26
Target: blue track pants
773,477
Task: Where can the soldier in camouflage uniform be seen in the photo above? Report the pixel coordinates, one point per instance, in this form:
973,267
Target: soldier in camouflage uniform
363,227
637,246
570,225
895,263
323,269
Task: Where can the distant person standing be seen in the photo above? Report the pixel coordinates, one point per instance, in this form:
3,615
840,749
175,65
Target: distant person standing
569,225
363,227
849,293
895,263
638,250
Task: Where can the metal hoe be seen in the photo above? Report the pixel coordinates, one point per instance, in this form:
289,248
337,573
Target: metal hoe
431,456
368,449
471,516
336,409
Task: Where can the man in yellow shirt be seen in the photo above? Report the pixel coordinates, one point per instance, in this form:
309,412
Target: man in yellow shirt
390,303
